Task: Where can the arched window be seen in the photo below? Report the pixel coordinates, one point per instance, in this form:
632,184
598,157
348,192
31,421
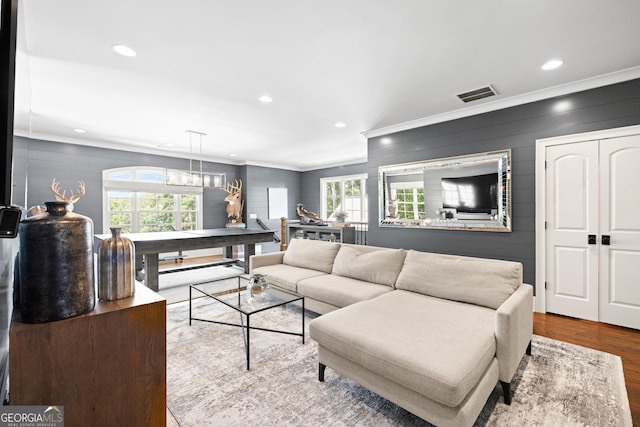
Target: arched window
138,200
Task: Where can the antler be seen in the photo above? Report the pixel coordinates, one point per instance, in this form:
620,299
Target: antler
55,187
74,197
233,188
61,197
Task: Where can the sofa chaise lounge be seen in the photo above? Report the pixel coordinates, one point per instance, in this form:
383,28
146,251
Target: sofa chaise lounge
432,333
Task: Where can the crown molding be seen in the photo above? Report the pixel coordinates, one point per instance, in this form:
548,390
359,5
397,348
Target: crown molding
350,162
171,153
121,147
552,92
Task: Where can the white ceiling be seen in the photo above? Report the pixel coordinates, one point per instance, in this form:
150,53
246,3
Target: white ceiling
203,64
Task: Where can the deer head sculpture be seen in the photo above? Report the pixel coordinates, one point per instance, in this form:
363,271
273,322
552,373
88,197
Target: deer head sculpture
62,196
234,201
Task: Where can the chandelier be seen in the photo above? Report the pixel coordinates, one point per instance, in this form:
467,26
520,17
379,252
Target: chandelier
195,177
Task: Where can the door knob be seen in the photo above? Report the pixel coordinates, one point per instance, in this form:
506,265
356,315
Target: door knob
592,239
606,240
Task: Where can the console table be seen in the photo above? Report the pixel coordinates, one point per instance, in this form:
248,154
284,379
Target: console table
106,367
319,232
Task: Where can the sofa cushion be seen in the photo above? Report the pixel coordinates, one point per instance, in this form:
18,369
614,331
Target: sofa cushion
340,291
438,348
486,282
313,254
371,264
286,276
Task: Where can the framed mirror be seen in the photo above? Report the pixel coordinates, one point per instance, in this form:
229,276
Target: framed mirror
471,192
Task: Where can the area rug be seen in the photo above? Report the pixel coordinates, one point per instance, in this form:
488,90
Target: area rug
208,384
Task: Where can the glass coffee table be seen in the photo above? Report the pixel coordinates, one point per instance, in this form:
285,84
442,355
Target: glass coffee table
248,305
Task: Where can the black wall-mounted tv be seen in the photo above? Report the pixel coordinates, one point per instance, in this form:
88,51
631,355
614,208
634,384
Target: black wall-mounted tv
471,194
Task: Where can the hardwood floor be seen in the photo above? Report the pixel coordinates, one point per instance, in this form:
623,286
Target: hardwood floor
623,342
187,261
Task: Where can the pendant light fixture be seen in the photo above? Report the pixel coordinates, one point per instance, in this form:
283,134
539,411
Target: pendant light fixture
195,177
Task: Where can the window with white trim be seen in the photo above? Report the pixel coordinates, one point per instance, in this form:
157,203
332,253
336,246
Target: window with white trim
347,194
409,197
138,200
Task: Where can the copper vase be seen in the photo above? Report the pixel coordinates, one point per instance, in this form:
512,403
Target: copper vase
116,267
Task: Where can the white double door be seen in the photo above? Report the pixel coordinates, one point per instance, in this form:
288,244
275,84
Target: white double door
592,237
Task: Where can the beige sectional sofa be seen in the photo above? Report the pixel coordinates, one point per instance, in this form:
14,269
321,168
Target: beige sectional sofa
432,333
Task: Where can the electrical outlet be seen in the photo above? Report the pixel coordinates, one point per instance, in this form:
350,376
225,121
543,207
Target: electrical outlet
253,216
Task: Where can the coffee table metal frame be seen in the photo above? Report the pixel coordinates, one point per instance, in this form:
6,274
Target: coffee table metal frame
239,302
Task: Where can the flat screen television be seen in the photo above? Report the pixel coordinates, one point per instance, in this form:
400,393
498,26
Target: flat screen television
471,194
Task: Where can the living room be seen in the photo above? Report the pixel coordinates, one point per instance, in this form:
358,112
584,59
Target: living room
596,98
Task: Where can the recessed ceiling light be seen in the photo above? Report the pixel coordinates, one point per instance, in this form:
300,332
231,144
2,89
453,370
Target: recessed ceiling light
562,106
78,130
266,99
340,124
552,64
124,50
232,154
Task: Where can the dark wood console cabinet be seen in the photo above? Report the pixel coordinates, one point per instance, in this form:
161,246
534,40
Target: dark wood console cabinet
106,368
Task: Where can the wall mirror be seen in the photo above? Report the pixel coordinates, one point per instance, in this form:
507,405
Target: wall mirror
471,192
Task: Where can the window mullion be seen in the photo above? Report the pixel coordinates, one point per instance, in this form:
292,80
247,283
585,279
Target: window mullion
177,208
135,223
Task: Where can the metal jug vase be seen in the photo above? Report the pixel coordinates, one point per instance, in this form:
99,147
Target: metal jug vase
56,278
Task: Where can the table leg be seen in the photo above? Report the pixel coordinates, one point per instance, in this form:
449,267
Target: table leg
248,342
249,249
139,268
228,252
151,271
302,320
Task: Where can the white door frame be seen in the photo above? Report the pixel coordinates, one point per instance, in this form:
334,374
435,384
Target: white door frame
541,147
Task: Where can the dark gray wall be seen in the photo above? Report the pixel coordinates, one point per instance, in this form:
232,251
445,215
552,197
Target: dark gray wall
516,128
37,162
310,184
261,179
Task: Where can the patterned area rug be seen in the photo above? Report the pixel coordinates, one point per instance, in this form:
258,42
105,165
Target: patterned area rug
208,384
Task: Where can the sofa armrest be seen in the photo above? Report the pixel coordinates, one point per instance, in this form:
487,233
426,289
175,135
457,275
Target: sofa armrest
256,261
514,330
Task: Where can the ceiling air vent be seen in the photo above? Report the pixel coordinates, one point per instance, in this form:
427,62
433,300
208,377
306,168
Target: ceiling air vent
474,95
